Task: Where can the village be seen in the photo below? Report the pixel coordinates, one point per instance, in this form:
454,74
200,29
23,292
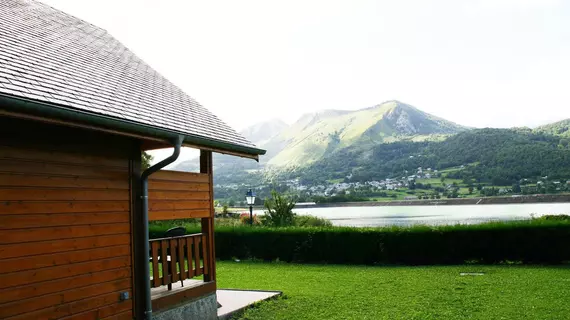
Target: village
422,184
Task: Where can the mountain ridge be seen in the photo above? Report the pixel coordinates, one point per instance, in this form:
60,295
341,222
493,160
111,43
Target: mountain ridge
330,134
318,134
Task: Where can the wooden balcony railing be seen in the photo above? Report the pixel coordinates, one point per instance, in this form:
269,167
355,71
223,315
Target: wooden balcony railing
179,258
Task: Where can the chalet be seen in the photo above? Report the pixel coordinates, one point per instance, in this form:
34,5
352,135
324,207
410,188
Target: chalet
77,109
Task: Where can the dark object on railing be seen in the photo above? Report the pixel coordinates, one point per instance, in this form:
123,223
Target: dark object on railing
175,232
171,254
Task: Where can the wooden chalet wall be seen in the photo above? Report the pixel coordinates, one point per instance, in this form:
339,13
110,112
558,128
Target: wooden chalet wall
179,195
65,231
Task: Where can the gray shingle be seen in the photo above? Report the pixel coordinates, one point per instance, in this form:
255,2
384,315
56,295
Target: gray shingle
53,57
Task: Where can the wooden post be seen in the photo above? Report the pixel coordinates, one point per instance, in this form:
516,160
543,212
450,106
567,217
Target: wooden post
206,166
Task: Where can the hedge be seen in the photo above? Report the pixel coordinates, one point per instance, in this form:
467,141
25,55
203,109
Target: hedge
533,242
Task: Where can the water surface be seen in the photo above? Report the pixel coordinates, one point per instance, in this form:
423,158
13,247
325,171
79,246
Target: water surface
432,215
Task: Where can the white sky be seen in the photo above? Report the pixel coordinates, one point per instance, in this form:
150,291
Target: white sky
497,63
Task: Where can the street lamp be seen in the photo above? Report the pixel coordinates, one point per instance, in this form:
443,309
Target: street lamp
250,200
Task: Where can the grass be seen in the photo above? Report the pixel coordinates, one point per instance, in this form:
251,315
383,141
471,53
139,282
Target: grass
434,292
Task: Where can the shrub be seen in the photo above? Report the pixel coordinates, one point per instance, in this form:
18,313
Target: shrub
311,221
561,217
244,219
279,210
544,242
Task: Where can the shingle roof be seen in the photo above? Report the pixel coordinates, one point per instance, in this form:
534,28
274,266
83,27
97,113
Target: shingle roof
49,56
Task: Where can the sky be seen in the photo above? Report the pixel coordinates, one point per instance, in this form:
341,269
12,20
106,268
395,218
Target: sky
480,63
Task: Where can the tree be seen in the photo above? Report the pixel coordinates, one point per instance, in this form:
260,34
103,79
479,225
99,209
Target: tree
442,179
146,160
279,210
516,188
470,189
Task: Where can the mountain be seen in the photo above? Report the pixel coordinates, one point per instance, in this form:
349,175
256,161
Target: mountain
320,134
495,156
560,128
389,140
315,136
261,133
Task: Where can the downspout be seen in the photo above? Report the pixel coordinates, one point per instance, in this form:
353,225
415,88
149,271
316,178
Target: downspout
146,246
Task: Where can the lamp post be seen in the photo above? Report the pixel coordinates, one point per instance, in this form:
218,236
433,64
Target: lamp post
250,200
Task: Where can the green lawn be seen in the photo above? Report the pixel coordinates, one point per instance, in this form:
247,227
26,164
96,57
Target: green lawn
433,292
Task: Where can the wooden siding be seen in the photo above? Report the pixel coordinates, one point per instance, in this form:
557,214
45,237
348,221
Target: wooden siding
65,223
179,195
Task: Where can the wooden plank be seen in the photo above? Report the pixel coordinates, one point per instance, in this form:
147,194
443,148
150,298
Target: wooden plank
63,297
56,233
168,175
76,307
181,260
205,255
176,195
173,259
47,181
154,245
60,156
39,289
67,245
127,315
65,170
64,258
189,245
65,219
60,136
181,214
197,256
45,274
22,207
36,194
164,261
114,311
169,205
160,185
183,295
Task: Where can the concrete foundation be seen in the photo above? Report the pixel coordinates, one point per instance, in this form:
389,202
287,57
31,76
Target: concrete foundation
203,308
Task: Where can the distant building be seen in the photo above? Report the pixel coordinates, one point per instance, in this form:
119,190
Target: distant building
411,198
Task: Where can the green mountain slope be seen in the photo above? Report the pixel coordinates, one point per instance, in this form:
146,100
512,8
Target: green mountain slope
315,135
560,128
501,157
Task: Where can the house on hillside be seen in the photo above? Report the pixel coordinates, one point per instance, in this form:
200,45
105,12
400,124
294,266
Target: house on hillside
77,109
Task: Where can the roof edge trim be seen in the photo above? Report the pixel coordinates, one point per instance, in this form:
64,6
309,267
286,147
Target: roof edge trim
28,106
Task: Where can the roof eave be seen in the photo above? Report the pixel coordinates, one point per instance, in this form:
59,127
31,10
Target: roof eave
53,111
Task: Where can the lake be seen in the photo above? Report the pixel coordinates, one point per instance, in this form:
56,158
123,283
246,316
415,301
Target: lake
432,215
